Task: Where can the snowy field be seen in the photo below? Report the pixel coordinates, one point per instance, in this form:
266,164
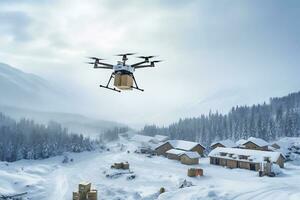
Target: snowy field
51,179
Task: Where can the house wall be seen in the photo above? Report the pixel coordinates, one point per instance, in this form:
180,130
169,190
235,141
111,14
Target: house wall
216,145
243,165
231,164
251,145
161,150
234,163
280,161
198,149
189,161
173,156
218,161
223,162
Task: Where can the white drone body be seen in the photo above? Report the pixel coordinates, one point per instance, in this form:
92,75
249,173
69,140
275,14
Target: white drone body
120,67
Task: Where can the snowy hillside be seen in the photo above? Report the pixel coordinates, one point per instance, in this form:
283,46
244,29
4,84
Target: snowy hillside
23,95
74,122
24,89
278,118
51,179
290,147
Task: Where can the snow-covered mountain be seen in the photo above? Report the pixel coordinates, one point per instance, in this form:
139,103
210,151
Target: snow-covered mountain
24,89
25,95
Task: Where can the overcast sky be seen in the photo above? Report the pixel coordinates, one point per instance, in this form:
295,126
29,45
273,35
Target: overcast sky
217,54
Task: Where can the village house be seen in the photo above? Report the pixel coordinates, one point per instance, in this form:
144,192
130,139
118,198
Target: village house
256,144
185,157
180,145
161,149
223,143
174,154
189,158
240,143
244,158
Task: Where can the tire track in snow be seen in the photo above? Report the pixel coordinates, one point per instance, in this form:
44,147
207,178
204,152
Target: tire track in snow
59,185
272,192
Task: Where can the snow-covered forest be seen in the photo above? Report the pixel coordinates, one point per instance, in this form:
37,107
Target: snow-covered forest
26,139
280,117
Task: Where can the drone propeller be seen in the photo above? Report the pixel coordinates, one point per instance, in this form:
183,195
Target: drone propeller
125,54
156,61
95,58
92,63
146,57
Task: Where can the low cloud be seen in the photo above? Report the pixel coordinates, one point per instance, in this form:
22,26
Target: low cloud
15,24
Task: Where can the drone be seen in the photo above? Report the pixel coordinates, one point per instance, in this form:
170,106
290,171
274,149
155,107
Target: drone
123,72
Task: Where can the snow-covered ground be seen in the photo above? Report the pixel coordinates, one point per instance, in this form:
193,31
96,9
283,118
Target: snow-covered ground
51,179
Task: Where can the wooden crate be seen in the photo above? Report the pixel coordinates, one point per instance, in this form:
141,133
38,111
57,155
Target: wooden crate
118,165
83,189
92,195
192,172
75,196
199,172
125,165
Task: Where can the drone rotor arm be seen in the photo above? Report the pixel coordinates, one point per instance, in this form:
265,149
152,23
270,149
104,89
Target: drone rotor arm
100,67
105,64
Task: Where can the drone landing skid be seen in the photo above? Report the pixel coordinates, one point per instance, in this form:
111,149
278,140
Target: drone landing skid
113,89
136,85
137,88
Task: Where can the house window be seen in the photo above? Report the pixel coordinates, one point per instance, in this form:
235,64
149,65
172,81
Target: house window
222,154
243,157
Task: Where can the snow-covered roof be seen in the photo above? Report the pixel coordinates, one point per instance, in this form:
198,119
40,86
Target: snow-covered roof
275,145
225,143
254,155
258,141
271,148
84,183
191,154
143,138
161,138
184,145
240,142
175,151
155,146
